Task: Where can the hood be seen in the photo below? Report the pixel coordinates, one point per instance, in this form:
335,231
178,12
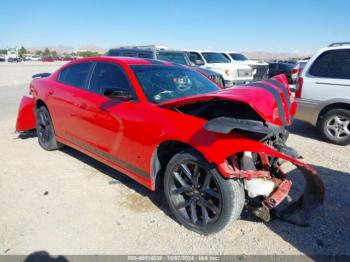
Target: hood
271,99
220,66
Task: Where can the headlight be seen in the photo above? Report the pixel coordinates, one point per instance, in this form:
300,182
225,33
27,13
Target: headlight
229,72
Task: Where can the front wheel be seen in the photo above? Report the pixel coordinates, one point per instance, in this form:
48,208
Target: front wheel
335,126
45,130
198,196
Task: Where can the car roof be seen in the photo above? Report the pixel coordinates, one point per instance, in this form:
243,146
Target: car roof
124,60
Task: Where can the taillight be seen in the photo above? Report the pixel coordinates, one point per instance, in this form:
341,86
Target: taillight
299,87
294,71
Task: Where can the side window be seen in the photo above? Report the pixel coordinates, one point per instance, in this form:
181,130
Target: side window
273,66
195,57
75,75
332,64
145,55
129,54
113,53
108,75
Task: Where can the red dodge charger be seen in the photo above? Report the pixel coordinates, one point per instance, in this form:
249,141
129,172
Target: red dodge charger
211,150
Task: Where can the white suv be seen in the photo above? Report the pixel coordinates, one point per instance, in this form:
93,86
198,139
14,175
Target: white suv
323,92
232,74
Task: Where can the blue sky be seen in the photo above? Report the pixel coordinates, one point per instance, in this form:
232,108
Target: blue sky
265,25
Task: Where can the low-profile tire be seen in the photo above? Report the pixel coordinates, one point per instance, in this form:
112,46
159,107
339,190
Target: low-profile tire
198,196
335,126
45,130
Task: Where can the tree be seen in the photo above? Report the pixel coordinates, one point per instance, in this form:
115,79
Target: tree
46,52
3,51
22,51
38,52
54,53
87,53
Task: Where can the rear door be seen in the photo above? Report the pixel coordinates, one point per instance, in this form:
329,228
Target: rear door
328,76
64,100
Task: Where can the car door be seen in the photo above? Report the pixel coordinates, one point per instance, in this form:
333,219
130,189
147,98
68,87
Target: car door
64,99
328,77
105,125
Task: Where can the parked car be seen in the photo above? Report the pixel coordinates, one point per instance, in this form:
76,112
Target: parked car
164,123
162,53
323,93
68,58
2,58
260,68
231,73
48,59
277,68
30,57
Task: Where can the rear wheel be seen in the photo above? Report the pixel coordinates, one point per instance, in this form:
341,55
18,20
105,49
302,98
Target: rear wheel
45,130
335,126
198,196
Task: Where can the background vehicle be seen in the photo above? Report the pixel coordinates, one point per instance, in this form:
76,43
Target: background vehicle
277,68
2,58
163,123
30,57
260,68
12,55
323,92
48,59
162,53
231,73
296,71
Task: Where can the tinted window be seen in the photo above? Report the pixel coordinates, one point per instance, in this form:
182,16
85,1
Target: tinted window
75,75
238,57
114,53
107,75
212,57
174,57
145,55
195,56
272,66
332,64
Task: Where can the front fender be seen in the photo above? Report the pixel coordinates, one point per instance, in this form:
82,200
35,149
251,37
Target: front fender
26,117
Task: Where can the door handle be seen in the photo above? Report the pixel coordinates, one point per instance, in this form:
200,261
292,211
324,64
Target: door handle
50,92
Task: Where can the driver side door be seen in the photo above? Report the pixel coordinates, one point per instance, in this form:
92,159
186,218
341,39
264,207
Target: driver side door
105,125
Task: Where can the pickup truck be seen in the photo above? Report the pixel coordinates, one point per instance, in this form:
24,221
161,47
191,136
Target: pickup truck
233,74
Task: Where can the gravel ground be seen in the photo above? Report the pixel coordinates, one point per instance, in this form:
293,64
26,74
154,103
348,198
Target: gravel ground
64,202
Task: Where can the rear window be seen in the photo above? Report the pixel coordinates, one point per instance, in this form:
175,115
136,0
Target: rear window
75,75
332,64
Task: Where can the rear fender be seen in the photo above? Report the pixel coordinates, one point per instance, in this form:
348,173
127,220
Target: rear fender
26,116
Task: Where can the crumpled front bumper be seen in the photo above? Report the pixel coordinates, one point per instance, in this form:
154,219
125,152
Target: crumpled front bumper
26,115
280,202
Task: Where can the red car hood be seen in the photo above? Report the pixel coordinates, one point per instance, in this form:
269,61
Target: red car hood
271,99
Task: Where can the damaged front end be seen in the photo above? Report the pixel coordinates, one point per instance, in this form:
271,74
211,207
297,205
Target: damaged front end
255,117
269,187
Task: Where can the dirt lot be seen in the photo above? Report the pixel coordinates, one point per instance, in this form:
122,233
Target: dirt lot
64,202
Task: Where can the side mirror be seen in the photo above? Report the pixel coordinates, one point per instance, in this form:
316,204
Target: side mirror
118,93
199,62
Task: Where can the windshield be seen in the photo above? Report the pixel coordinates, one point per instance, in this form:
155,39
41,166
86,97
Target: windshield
162,83
213,57
238,57
174,57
